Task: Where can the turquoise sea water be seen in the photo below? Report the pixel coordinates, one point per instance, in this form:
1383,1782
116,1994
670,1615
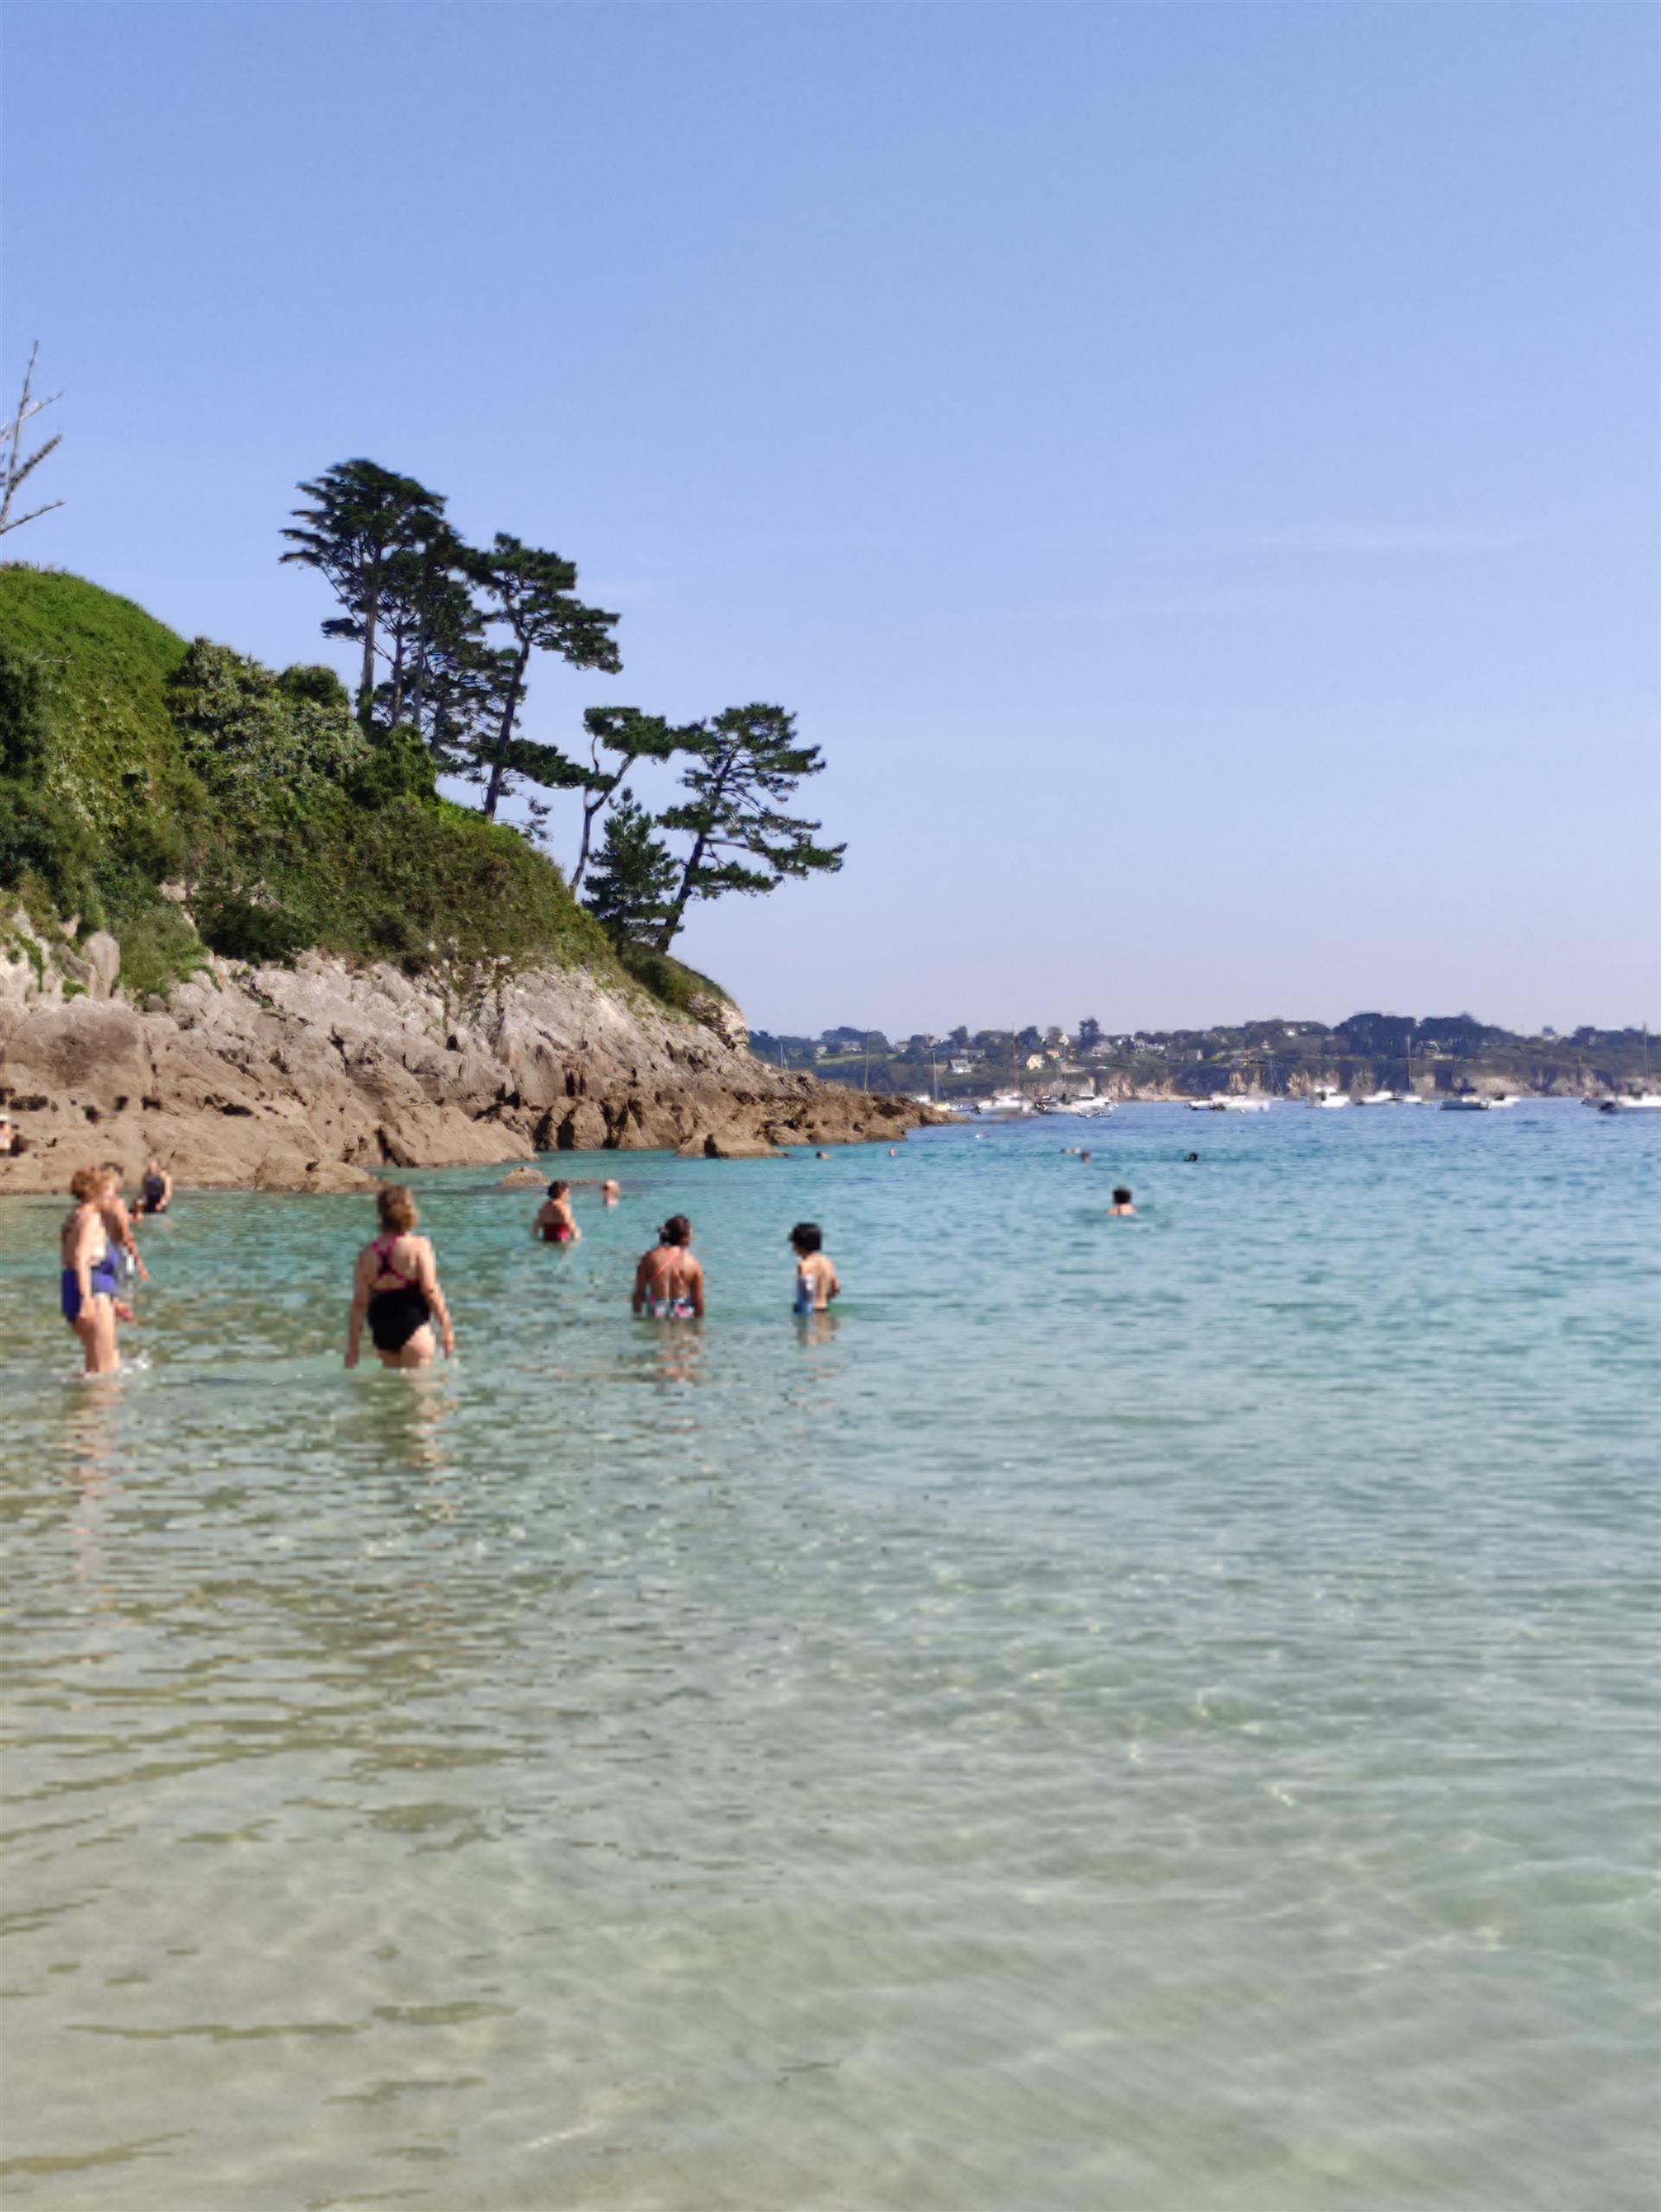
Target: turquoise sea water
1153,1714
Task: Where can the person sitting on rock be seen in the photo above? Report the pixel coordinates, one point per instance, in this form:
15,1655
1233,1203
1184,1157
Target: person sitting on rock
669,1281
556,1224
8,1137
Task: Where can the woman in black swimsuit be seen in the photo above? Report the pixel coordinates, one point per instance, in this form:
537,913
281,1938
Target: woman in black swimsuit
155,1192
395,1290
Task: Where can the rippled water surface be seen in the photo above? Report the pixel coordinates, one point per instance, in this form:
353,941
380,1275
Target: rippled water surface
1152,1714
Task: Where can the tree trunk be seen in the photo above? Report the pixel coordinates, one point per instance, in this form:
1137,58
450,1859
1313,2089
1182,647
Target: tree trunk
499,766
592,809
677,913
370,611
395,704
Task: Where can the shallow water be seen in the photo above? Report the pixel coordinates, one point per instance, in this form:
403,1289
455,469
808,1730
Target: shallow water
1153,1715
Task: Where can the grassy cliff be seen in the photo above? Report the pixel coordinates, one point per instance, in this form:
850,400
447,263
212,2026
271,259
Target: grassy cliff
131,761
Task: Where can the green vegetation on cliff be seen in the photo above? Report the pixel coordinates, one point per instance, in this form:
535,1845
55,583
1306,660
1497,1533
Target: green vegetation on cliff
141,776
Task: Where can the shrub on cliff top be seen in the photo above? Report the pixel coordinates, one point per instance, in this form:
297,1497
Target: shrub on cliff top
133,760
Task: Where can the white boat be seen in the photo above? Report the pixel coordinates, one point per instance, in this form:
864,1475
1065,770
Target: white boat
1237,1103
1003,1102
1508,1099
1641,1102
1378,1098
1466,1101
1327,1099
1086,1109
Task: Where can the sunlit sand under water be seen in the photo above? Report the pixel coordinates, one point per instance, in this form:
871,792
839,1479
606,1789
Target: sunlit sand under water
1151,1714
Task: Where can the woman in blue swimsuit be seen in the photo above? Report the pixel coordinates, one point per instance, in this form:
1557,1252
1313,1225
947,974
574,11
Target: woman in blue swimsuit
89,1281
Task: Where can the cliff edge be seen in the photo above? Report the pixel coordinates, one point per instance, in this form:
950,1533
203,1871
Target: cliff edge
306,1078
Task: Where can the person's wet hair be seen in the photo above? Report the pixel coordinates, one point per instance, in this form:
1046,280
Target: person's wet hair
397,1208
558,1190
1121,1196
87,1183
676,1231
807,1236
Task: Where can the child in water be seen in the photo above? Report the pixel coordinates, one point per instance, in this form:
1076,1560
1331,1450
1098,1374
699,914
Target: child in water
1121,1203
816,1278
556,1224
669,1281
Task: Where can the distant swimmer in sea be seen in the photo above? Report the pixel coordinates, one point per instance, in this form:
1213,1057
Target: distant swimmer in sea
669,1281
1083,1155
1121,1202
156,1191
611,1192
1193,1157
816,1277
556,1224
89,1302
119,1221
821,1155
395,1290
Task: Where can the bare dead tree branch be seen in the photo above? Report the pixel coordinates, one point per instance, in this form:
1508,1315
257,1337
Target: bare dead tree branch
18,470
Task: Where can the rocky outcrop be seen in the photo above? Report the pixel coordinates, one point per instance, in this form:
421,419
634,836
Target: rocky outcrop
308,1078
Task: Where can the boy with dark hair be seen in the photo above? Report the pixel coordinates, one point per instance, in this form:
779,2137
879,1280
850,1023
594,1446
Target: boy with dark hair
816,1278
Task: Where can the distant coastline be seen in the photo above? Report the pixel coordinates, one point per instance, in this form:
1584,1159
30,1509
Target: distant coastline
1433,1056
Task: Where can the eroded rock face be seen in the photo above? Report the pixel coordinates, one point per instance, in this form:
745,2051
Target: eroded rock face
309,1079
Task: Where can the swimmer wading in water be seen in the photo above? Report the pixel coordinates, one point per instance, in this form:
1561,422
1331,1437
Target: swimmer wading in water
669,1281
88,1298
395,1290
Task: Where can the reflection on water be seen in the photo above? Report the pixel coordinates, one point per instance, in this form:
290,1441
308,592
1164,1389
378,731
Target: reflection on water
1160,1720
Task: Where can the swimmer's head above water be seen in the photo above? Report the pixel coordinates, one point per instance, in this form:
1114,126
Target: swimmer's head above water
807,1236
676,1231
397,1209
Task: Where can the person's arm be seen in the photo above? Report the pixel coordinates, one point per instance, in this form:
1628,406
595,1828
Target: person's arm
427,1276
123,1221
697,1289
542,1215
639,1300
83,1266
359,1307
167,1188
833,1289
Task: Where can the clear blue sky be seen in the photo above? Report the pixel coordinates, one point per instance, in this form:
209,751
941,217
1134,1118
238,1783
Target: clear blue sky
1193,468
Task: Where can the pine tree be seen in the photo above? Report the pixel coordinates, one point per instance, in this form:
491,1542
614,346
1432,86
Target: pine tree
633,875
364,517
632,737
745,762
530,593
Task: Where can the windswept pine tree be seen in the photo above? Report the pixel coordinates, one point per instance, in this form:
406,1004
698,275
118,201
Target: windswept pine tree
635,876
745,764
629,736
531,594
362,519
